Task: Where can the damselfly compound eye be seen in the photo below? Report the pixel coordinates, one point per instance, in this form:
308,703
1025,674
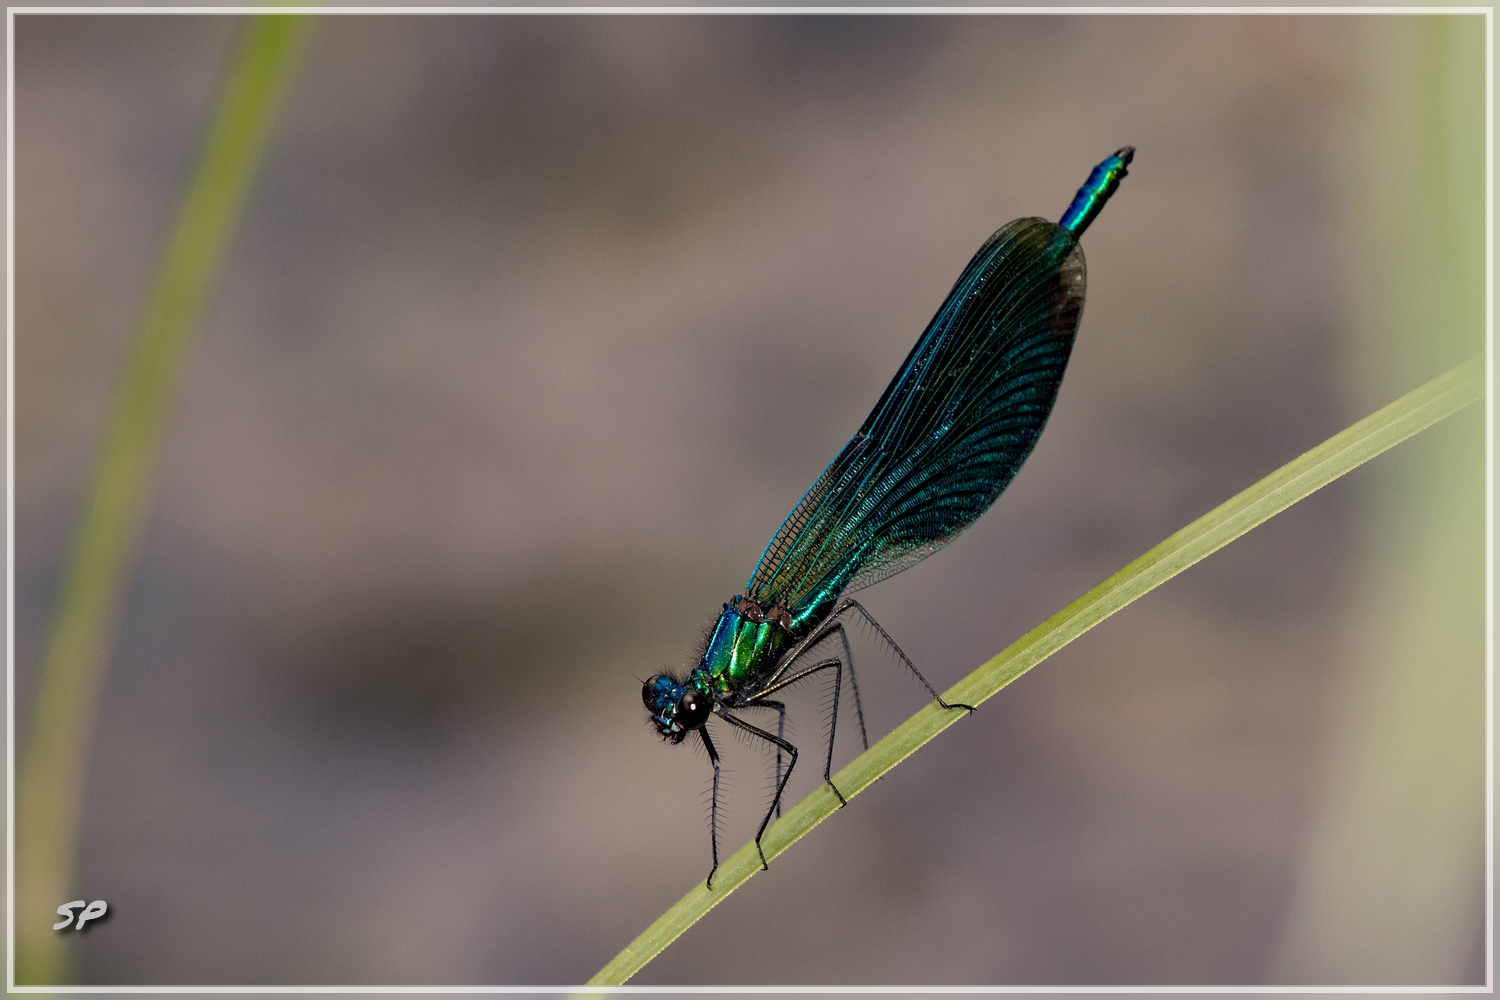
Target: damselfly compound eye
693,710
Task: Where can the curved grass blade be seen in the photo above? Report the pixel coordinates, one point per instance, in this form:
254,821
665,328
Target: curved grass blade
1341,453
55,765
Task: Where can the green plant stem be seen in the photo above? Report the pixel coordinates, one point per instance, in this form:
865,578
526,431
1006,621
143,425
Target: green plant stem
1317,468
55,764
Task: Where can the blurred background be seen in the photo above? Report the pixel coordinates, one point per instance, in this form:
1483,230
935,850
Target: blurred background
534,330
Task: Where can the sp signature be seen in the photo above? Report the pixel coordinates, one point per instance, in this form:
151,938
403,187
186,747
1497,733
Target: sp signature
92,911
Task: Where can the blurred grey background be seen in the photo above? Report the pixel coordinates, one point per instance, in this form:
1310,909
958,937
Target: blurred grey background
535,329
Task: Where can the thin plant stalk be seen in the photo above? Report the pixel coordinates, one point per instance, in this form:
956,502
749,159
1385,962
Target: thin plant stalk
55,764
1341,453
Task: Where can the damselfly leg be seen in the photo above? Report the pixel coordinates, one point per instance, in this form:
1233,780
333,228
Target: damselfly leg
849,604
713,808
780,786
780,708
833,719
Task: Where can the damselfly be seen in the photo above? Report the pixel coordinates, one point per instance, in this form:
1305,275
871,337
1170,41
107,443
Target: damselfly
946,438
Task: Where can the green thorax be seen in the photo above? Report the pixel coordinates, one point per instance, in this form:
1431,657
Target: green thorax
742,648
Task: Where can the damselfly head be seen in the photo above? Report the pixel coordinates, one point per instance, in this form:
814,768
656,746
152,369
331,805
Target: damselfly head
675,710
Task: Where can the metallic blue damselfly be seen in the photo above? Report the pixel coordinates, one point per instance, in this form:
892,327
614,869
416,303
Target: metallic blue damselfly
946,438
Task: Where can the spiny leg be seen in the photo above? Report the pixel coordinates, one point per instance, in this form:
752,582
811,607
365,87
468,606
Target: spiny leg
713,809
830,624
859,709
833,721
826,629
848,603
776,802
780,708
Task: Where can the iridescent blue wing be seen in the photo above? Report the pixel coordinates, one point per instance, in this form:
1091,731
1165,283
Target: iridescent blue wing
948,435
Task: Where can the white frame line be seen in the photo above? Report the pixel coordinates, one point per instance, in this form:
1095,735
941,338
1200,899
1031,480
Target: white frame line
1077,11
